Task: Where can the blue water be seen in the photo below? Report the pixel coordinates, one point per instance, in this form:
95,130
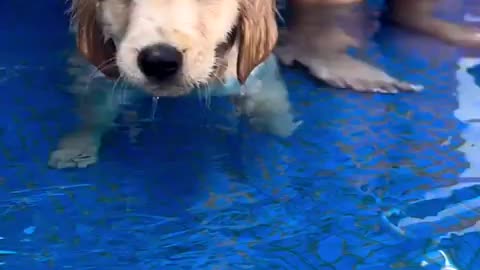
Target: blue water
368,182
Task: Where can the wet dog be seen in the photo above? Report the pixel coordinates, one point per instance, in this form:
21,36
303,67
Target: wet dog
173,48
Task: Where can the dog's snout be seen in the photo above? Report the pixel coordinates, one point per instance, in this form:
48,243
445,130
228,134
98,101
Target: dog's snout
160,61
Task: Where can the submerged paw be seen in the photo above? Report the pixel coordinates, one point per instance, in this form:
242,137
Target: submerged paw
73,158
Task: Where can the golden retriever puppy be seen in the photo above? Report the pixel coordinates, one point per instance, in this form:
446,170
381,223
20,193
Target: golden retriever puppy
172,48
318,39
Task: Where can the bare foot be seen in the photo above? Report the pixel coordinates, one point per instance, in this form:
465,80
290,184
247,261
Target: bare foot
326,62
454,34
418,16
319,37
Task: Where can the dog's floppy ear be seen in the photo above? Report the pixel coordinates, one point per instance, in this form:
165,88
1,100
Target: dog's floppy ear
258,33
91,41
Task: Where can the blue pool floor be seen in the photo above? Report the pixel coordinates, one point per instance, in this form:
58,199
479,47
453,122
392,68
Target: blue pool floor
368,182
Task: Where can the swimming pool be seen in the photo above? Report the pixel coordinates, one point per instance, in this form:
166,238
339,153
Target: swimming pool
368,181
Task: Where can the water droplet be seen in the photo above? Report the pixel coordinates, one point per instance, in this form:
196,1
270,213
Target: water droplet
154,108
243,90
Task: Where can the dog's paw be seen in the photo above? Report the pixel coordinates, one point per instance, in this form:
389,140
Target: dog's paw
72,158
343,71
281,125
75,151
268,114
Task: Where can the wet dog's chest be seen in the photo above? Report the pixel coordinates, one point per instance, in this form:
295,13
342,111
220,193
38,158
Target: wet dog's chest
200,108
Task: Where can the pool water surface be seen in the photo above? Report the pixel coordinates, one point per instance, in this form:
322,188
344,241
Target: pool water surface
368,182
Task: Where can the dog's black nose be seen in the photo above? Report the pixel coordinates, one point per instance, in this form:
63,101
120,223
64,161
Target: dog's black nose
160,61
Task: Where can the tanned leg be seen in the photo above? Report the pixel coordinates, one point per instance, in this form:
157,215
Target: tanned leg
316,39
418,15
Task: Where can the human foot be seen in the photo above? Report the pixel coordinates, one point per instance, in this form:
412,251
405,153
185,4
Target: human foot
454,34
417,15
318,38
343,71
326,59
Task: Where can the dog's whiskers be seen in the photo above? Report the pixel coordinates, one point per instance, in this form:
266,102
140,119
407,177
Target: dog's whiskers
114,89
123,85
207,95
105,64
199,86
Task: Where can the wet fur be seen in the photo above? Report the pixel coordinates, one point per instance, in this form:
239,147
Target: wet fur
110,33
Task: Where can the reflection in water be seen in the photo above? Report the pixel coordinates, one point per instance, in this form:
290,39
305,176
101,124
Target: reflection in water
458,204
439,257
472,18
468,112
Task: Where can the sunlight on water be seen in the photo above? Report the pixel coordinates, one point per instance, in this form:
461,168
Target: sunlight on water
438,257
468,112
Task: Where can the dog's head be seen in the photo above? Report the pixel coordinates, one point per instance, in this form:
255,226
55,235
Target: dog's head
169,46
